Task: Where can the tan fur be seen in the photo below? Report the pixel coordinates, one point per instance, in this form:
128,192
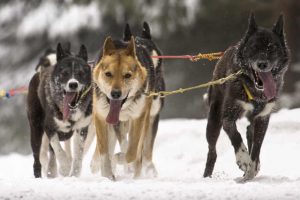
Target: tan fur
110,73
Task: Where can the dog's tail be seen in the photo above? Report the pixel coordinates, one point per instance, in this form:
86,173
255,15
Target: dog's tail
206,96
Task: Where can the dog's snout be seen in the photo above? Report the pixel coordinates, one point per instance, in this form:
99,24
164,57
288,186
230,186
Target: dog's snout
262,65
116,94
73,85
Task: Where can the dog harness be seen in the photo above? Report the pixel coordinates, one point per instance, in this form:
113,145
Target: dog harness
249,95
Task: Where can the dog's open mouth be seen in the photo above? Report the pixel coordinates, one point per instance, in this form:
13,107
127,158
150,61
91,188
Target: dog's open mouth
257,81
115,107
70,102
264,81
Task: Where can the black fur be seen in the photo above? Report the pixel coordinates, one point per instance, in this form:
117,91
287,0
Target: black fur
45,98
258,45
127,33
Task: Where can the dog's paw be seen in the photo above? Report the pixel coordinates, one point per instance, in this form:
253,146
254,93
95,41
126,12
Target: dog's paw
150,170
109,175
65,166
51,170
76,169
252,171
243,158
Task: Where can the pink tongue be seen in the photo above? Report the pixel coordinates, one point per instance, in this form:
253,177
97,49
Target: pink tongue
69,97
269,84
114,111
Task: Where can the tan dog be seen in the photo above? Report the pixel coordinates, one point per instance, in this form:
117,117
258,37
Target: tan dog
121,107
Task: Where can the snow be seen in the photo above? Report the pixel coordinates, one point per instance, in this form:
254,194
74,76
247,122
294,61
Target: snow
180,155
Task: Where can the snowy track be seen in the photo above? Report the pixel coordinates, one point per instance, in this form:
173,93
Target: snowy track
180,154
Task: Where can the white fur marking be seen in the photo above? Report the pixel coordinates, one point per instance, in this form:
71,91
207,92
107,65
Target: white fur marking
52,58
105,163
44,153
154,60
73,80
62,125
242,158
78,154
63,160
248,107
267,109
155,108
252,171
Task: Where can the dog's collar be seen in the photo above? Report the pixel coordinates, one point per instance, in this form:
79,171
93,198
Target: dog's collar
248,93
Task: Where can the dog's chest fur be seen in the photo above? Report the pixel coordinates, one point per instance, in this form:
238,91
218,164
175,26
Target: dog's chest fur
255,109
131,109
77,121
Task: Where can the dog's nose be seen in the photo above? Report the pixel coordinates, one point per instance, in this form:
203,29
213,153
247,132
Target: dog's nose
73,85
116,94
262,65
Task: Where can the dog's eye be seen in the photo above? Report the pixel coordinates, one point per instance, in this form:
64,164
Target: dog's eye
81,73
127,76
64,73
108,74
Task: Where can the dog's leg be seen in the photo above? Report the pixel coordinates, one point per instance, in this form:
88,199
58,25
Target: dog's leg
135,132
78,150
95,162
90,138
63,160
213,128
67,145
103,149
133,139
36,141
250,134
52,166
260,128
37,132
144,131
120,157
112,140
44,154
229,124
148,146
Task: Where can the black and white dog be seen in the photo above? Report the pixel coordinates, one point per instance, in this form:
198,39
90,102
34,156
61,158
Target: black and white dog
263,56
59,106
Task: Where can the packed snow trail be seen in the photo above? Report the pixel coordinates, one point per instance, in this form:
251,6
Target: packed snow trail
180,155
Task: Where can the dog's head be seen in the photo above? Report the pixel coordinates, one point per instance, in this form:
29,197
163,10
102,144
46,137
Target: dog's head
144,41
71,76
263,56
119,75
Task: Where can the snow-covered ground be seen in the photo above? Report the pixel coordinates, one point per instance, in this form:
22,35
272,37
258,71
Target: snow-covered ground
180,154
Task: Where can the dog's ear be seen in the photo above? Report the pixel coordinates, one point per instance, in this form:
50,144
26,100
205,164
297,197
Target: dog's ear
278,28
146,31
131,47
60,54
67,47
127,33
108,46
83,53
252,26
